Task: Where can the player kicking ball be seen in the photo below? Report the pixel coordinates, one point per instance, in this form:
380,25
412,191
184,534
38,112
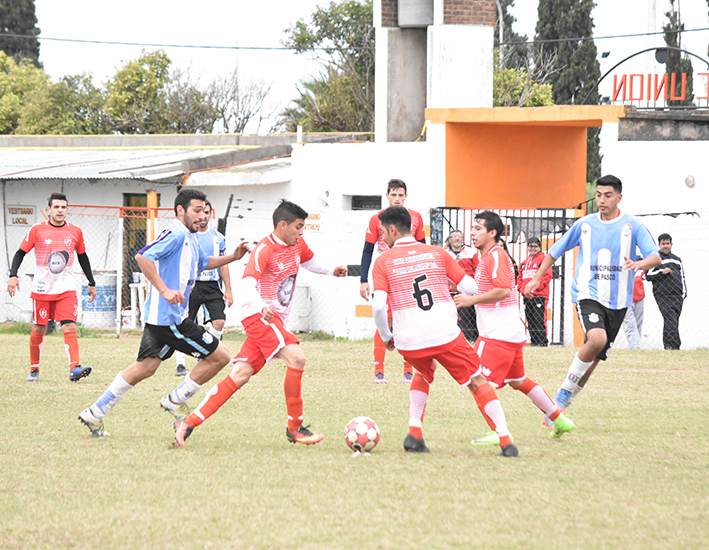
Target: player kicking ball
265,301
415,278
502,336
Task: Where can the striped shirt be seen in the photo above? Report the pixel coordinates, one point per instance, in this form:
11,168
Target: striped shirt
213,244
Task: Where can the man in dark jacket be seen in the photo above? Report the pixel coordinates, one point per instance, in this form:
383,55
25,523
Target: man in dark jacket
670,290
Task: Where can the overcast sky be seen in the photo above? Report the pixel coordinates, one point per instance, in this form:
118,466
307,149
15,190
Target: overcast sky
228,23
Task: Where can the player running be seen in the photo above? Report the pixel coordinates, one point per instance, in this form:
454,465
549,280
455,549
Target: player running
602,288
502,336
265,301
171,264
396,195
54,289
414,278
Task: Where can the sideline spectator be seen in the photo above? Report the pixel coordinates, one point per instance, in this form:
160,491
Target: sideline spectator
535,308
633,321
467,259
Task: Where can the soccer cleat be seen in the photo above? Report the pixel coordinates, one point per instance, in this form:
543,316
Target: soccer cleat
33,376
509,451
379,378
181,370
182,431
94,425
304,435
178,410
563,398
490,438
408,377
78,372
413,445
562,425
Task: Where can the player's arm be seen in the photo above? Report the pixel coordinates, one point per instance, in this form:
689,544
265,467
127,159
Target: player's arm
313,266
86,268
219,261
379,312
643,265
367,253
248,293
226,278
537,279
151,274
464,282
13,285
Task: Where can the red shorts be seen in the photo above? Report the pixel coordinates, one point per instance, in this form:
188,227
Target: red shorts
457,357
64,308
502,362
264,339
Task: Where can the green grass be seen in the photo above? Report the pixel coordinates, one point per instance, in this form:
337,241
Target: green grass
632,475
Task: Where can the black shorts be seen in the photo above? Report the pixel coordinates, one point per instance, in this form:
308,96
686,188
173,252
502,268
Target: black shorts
187,337
209,295
594,315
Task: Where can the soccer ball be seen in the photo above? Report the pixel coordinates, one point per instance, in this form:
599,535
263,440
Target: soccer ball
362,434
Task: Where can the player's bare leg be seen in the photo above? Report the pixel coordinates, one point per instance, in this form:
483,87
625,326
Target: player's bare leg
491,409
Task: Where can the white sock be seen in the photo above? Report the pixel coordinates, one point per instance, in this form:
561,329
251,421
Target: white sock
110,397
417,404
180,358
576,371
494,410
185,390
216,333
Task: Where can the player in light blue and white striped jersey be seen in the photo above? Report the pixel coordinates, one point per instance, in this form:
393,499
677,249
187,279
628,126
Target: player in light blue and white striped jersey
603,283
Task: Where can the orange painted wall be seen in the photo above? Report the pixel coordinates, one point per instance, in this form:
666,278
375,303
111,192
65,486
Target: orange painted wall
512,165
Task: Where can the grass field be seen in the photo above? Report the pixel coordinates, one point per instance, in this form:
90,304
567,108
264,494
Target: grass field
634,474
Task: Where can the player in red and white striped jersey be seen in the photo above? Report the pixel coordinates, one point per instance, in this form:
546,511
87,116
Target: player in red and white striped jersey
415,278
54,289
502,336
266,294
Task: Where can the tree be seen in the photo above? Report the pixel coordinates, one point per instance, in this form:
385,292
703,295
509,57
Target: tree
676,63
236,102
137,96
188,110
517,88
340,35
510,55
17,81
576,61
18,17
72,106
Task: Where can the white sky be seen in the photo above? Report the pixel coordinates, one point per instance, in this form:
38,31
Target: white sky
261,23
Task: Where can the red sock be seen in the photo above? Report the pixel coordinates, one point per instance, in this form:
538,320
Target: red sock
490,408
294,398
71,343
540,398
216,397
380,351
35,348
408,367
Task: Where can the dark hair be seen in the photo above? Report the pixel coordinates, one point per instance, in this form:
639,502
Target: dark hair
534,240
207,203
185,196
396,184
492,221
56,197
399,217
664,237
288,212
611,181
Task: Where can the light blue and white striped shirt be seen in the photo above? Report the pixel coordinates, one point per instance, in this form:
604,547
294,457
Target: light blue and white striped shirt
600,266
212,243
178,259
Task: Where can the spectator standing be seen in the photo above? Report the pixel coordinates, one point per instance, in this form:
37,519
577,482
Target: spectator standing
467,259
535,308
670,290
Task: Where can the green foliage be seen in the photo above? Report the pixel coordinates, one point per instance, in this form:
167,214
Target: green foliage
516,88
136,99
16,328
676,62
340,35
17,81
18,17
577,63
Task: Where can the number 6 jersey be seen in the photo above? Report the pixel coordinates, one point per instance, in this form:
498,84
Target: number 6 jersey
415,276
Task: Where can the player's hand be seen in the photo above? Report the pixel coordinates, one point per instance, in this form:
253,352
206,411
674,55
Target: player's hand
267,313
340,271
463,300
364,291
390,344
13,285
92,293
228,298
173,296
241,250
530,288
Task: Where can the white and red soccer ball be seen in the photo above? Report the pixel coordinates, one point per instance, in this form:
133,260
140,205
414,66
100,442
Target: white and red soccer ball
362,434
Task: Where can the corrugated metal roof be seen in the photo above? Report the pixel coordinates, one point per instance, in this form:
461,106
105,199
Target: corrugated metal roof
144,164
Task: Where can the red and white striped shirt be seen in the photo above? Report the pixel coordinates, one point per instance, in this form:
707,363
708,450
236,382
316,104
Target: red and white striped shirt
499,320
375,235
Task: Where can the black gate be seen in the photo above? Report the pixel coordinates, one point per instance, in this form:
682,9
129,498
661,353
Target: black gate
547,224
